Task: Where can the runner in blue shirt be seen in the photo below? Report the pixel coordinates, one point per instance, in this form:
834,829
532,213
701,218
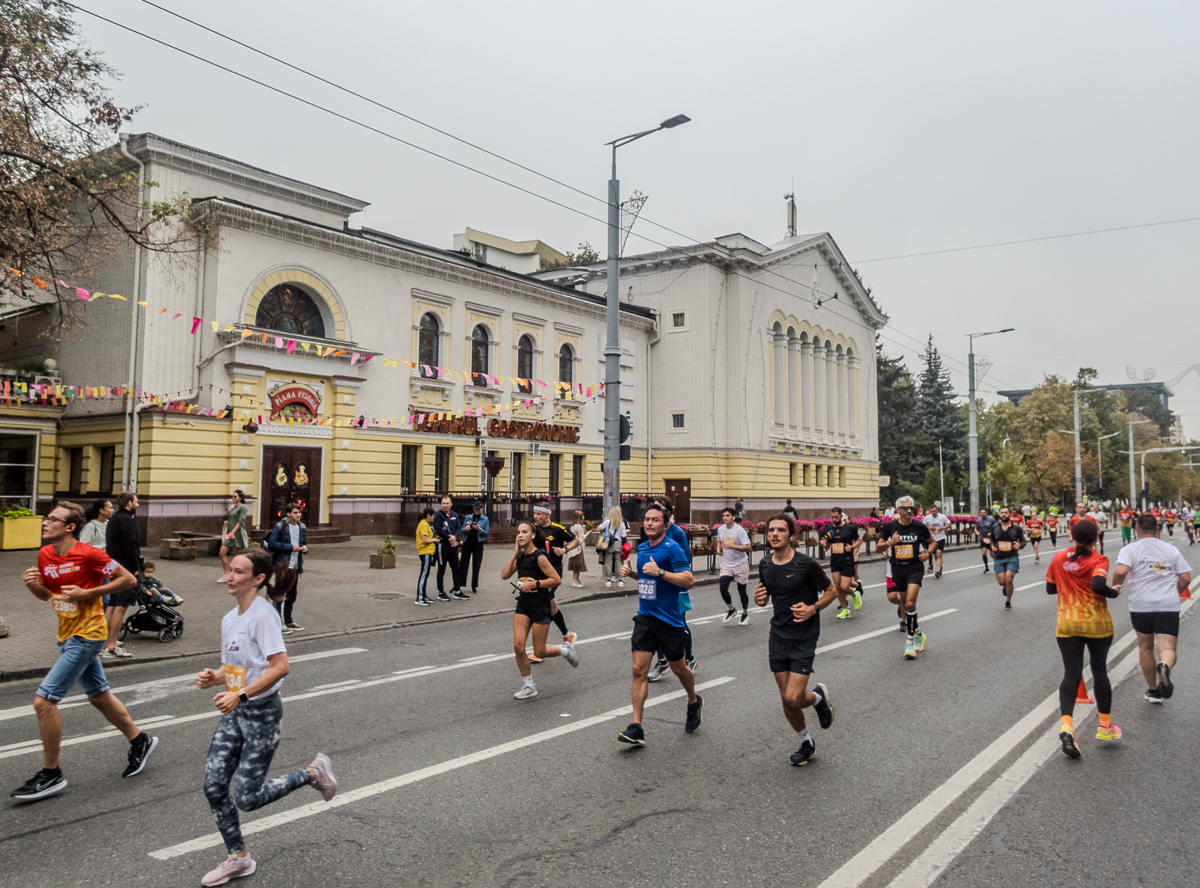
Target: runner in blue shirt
678,536
663,574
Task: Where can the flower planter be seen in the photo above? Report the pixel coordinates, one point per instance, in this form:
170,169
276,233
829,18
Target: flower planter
383,562
21,533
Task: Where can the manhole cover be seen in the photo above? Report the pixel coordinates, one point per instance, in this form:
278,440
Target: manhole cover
386,596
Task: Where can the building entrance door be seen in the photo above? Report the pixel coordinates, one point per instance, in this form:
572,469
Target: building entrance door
679,490
291,475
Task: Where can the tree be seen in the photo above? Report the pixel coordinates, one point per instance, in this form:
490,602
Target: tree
66,193
1007,476
937,414
900,440
585,255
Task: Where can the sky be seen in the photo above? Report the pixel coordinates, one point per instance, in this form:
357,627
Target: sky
901,127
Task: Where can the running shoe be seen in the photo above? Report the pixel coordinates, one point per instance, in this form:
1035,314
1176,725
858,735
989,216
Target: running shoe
569,638
234,867
857,599
824,709
910,652
744,619
527,692
903,625
937,575
224,579
533,658
568,654
41,785
1154,695
1165,686
1069,747
1008,605
294,626
459,595
1112,732
730,615
424,602
286,630
323,780
139,750
120,653
919,639
693,715
801,756
985,570
442,596
691,663
1037,559
844,614
633,735
657,670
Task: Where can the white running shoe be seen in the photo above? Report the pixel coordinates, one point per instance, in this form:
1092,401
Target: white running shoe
568,654
324,782
225,579
233,867
527,692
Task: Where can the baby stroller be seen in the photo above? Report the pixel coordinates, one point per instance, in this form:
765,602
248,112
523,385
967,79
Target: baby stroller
153,617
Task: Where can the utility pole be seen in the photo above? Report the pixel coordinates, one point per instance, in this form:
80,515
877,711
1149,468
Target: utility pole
1133,492
972,432
1078,456
942,474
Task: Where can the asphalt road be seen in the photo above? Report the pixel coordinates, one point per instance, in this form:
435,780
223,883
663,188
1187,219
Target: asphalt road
945,767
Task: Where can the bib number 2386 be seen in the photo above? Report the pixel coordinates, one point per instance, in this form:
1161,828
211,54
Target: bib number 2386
647,589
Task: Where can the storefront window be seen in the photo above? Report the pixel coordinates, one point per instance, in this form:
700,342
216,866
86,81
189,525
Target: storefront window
525,362
479,352
289,309
408,468
566,365
555,471
18,466
427,341
576,475
441,470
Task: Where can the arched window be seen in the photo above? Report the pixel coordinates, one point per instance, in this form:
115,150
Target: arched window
289,309
525,361
480,345
429,341
566,365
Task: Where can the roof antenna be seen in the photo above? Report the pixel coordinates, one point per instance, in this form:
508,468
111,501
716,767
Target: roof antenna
791,210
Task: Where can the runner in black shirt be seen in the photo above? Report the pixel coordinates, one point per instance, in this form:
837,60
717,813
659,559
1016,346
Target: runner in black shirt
558,540
841,541
903,539
799,590
1006,542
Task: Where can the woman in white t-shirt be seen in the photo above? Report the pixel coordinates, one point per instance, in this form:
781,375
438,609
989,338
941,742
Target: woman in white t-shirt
734,545
95,532
578,563
612,530
253,665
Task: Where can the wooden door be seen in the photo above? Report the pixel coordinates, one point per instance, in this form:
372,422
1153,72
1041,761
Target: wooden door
291,475
680,492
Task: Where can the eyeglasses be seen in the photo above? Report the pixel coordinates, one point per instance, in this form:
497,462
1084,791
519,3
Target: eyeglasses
49,520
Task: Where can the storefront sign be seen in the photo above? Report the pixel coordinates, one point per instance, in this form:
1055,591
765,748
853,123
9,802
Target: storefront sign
532,431
293,398
464,425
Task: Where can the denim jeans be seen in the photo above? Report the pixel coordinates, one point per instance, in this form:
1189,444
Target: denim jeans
79,661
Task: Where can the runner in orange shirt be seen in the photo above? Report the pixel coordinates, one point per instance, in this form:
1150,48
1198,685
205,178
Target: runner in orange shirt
1125,519
1170,516
1034,526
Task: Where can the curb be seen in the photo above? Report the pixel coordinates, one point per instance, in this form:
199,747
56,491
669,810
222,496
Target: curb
706,580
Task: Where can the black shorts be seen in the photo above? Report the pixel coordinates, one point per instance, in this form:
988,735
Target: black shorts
937,546
842,564
128,598
651,634
786,655
905,575
538,610
1155,622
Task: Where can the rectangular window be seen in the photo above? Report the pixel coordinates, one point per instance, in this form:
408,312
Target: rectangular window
577,468
555,472
75,480
517,470
408,468
678,421
441,469
797,474
108,458
18,465
678,320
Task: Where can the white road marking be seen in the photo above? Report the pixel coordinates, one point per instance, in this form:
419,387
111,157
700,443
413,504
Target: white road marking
337,684
363,792
890,630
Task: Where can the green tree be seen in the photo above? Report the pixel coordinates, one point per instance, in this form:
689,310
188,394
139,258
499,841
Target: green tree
1006,474
931,487
938,416
900,438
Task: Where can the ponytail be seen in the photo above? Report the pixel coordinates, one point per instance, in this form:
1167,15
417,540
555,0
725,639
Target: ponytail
1084,533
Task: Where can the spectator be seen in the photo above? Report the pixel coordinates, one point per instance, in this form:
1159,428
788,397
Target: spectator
95,532
740,509
578,563
790,510
448,528
612,538
475,538
121,543
426,551
234,538
288,543
148,585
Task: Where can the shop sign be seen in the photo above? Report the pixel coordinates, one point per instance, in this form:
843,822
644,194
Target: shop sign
532,431
291,398
464,425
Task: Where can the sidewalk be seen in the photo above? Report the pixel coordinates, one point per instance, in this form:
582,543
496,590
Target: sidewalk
339,594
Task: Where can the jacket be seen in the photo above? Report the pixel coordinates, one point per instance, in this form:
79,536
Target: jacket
121,541
279,544
446,525
481,531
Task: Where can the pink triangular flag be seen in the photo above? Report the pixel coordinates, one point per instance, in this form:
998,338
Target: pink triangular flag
353,358
291,346
196,322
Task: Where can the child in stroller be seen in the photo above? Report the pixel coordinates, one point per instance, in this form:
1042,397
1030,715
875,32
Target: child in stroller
155,614
154,588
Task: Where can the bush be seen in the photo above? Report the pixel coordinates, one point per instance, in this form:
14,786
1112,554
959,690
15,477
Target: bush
388,547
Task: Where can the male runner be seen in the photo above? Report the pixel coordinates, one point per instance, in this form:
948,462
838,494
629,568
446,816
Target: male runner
676,534
984,527
1157,575
1052,528
841,539
937,524
1006,543
73,576
1125,519
663,572
1101,519
1195,527
799,591
733,544
1081,514
1034,525
559,541
1170,516
903,540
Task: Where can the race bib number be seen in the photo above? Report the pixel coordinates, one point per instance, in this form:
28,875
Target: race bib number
235,678
1036,534
647,589
904,552
839,548
1005,546
66,608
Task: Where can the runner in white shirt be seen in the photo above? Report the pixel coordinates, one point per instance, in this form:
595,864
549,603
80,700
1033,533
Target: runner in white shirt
937,524
1157,575
1101,519
733,543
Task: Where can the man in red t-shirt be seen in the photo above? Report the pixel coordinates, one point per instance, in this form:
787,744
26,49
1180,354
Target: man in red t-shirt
73,576
1034,525
1169,518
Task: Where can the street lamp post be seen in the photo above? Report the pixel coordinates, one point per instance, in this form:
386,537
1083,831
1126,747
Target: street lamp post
612,346
1133,497
1100,457
973,436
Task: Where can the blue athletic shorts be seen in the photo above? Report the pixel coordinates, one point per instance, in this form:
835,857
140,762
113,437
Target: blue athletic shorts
1004,565
79,661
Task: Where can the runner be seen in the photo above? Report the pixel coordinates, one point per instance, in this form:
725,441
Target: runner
536,581
1125,519
841,539
558,541
1052,528
676,535
903,540
1195,527
1157,575
1078,577
662,572
73,576
937,524
799,590
254,663
1101,519
1081,513
1034,525
1007,541
984,526
733,544
1170,516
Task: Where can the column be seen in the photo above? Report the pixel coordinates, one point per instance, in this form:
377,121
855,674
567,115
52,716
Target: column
779,361
843,423
852,399
793,381
831,425
806,397
818,391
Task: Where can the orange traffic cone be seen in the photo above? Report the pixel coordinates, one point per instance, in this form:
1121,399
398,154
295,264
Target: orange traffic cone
1186,595
1082,696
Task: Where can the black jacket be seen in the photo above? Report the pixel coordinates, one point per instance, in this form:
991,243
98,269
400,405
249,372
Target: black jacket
122,544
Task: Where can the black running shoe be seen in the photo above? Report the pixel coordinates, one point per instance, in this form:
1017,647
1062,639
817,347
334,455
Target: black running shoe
938,575
801,756
824,709
1008,605
693,715
1067,739
633,735
1165,686
42,785
1153,696
460,596
139,750
442,596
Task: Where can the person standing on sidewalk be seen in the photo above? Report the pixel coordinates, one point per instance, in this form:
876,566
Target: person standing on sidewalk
95,532
475,534
426,552
234,537
288,543
612,534
122,545
448,527
578,563
73,576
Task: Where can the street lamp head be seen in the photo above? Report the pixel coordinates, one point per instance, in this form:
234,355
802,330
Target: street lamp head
675,121
1006,330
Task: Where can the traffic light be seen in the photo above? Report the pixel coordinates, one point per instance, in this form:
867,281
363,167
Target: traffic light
625,450
981,463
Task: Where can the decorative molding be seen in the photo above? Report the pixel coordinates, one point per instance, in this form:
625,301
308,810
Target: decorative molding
304,431
435,298
487,311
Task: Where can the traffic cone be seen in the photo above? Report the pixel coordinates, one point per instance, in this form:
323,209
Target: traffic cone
1186,595
1082,696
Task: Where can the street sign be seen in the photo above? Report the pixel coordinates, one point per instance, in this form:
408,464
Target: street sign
884,480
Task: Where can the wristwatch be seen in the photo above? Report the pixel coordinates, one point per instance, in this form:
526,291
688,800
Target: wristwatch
243,698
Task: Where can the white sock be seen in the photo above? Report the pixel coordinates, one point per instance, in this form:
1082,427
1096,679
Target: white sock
527,680
803,737
817,701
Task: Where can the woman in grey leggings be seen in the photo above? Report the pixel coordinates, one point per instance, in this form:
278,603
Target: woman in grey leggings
614,528
253,665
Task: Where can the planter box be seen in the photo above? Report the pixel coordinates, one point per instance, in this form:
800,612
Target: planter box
383,562
21,533
177,550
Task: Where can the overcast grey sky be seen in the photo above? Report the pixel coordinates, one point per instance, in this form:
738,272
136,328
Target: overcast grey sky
906,127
